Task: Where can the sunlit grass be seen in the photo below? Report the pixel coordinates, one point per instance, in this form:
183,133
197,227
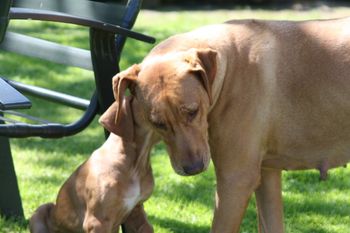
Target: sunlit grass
178,204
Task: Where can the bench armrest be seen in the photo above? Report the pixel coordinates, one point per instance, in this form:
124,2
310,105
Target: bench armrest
10,98
44,15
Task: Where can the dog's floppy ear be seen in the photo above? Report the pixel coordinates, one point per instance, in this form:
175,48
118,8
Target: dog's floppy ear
204,62
118,118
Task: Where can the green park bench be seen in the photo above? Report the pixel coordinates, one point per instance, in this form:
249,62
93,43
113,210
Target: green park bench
109,26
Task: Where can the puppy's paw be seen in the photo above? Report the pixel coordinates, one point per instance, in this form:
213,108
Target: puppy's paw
145,228
38,223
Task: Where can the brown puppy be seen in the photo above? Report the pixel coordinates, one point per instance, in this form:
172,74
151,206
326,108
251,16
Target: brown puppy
256,97
109,188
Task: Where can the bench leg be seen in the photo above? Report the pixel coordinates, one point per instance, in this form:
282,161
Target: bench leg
10,199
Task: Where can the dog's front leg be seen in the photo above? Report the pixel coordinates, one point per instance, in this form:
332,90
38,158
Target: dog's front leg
269,202
233,193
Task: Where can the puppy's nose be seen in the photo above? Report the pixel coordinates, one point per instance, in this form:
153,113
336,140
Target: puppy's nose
194,168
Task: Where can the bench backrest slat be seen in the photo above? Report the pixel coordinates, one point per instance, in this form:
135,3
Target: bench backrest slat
109,13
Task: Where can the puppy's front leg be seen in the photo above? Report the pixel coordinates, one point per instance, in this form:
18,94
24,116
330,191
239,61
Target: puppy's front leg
137,221
233,193
269,202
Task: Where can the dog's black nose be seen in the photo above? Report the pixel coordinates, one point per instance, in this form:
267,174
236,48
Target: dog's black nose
194,168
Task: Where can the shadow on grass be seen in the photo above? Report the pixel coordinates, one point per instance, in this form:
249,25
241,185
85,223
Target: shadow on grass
309,181
201,190
309,198
13,225
326,208
178,226
314,229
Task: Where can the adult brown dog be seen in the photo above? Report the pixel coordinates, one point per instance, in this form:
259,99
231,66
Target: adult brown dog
255,96
109,188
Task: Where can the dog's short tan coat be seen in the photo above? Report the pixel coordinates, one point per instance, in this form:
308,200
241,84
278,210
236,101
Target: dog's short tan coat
108,189
256,97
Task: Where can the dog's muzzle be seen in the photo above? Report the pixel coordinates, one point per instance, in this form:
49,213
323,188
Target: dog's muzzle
194,168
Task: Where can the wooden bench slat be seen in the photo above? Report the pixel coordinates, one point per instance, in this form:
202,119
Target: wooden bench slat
47,50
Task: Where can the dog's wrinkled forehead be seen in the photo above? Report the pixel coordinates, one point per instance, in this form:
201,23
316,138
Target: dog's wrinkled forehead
165,68
163,77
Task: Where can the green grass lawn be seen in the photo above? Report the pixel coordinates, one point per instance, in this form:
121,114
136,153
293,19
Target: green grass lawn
178,204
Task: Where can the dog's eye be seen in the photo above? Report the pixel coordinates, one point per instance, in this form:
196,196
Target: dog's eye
160,125
157,121
190,111
192,114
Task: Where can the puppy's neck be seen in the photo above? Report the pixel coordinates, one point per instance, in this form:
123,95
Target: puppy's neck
143,149
134,155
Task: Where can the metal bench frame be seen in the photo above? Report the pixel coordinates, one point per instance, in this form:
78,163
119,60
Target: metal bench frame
109,27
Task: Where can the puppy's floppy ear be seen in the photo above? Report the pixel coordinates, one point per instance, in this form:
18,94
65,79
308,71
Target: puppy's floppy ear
107,119
125,125
118,118
204,62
